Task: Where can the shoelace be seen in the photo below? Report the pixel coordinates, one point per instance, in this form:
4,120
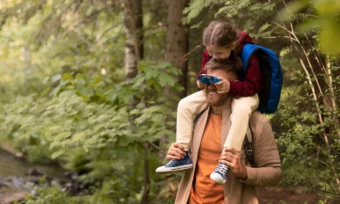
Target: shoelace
170,162
223,169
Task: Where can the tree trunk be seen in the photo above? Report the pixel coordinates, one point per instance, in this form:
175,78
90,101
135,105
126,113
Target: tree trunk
131,57
177,41
134,51
177,46
140,54
146,191
139,28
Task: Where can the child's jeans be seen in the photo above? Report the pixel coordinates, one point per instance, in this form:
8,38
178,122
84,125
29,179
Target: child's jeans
190,106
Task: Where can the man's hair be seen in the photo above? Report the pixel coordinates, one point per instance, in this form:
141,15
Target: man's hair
226,65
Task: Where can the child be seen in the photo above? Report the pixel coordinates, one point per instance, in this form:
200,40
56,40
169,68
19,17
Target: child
223,42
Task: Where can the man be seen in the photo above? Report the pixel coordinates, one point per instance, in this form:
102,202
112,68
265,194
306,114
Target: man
209,136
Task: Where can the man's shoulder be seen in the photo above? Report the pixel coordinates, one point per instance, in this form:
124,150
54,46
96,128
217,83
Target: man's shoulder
257,122
258,117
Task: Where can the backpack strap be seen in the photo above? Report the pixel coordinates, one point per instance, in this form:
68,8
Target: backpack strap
248,146
198,116
247,51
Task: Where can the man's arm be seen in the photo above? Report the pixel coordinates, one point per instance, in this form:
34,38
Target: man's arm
268,171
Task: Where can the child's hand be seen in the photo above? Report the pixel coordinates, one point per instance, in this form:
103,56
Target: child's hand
200,85
223,86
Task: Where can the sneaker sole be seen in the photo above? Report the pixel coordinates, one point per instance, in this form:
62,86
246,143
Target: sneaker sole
174,169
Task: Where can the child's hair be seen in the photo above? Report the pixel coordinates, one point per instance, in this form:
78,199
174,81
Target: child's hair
222,34
227,65
219,33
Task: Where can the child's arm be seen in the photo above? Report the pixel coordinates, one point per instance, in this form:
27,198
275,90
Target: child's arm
251,85
253,82
205,59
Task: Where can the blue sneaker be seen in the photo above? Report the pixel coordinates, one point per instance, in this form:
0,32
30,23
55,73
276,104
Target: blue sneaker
220,174
176,165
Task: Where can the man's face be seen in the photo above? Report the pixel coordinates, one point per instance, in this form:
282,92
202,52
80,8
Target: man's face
213,98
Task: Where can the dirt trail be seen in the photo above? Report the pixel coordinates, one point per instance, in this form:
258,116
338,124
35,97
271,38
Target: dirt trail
296,195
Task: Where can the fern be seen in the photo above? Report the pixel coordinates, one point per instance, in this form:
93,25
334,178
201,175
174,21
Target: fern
268,6
242,4
196,7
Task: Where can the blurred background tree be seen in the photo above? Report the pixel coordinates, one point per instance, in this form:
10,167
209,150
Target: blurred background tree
93,85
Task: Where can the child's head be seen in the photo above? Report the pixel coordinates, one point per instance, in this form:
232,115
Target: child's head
220,39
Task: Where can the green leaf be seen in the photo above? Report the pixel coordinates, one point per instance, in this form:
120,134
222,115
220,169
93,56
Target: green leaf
166,80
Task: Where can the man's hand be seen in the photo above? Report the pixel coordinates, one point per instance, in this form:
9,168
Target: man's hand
223,86
231,158
175,151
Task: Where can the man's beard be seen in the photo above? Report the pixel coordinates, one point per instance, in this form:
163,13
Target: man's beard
220,101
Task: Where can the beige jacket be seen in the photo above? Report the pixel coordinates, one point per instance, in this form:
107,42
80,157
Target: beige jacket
268,170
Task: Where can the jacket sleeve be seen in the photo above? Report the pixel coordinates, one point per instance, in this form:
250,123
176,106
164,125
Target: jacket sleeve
268,171
252,83
205,59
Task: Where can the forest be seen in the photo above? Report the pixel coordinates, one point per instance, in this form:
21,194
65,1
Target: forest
90,88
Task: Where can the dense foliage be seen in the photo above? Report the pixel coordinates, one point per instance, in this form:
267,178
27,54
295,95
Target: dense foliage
65,98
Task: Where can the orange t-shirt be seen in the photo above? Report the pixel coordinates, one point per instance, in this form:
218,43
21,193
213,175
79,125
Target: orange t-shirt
204,190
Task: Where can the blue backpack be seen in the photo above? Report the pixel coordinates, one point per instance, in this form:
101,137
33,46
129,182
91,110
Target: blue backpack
272,75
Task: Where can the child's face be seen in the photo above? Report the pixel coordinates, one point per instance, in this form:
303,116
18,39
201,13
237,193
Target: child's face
220,53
